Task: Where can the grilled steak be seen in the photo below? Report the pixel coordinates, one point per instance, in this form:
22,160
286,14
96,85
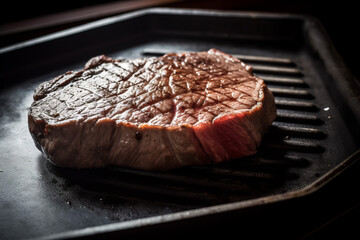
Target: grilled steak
152,113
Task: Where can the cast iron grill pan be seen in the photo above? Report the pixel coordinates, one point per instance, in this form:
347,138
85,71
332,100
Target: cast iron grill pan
310,142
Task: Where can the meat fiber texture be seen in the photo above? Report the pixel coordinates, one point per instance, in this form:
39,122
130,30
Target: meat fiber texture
160,113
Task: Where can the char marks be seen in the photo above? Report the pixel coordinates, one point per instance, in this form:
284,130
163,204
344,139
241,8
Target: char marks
175,89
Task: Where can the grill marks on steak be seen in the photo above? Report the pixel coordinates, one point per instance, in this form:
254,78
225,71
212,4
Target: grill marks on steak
156,113
151,91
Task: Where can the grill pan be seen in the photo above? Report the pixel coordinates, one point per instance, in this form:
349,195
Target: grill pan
314,139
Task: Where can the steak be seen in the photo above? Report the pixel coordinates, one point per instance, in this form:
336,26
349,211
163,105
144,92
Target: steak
152,113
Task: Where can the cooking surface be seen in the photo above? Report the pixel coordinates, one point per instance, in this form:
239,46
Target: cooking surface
301,146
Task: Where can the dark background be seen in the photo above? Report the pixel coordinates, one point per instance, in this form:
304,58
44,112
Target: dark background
340,18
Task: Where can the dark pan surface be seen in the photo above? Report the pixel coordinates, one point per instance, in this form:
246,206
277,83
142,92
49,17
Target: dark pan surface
314,135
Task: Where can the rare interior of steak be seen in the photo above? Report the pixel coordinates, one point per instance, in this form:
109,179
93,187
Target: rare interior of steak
152,113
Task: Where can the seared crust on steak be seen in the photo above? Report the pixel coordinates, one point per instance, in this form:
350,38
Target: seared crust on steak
152,113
